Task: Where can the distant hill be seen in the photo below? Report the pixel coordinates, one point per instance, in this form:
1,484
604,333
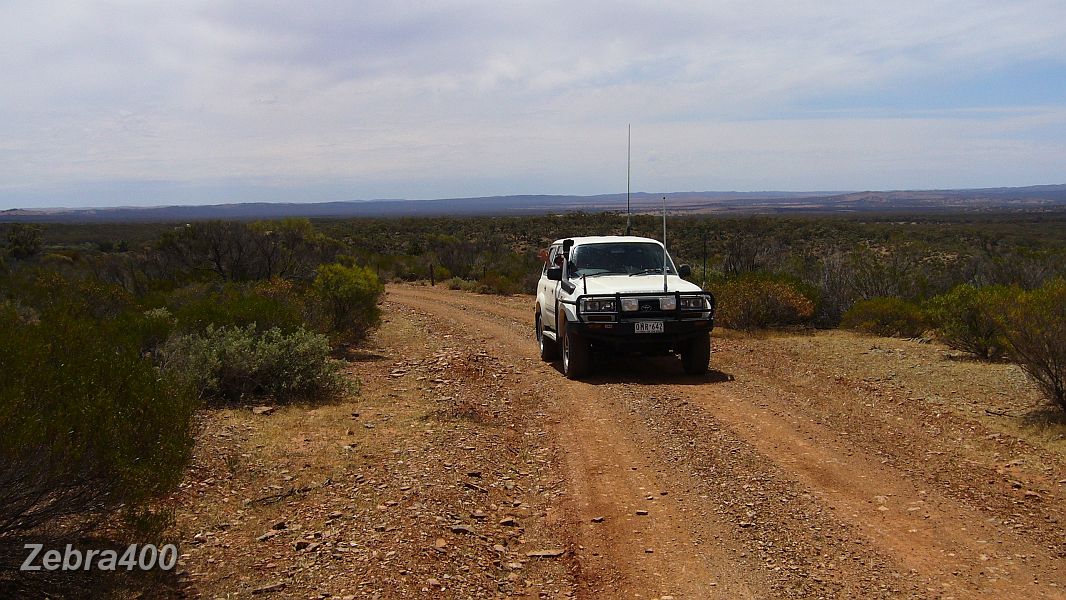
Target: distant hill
1020,198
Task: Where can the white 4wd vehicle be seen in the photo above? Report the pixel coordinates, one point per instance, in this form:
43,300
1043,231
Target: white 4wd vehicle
611,293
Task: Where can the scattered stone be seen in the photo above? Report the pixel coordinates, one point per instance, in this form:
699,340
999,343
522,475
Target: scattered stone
1033,495
263,410
440,543
266,536
462,529
509,522
642,512
597,519
301,545
474,486
548,553
279,526
431,582
268,589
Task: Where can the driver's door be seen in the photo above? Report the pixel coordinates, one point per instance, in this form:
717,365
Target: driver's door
548,291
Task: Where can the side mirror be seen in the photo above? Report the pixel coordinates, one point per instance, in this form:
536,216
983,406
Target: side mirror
555,273
684,271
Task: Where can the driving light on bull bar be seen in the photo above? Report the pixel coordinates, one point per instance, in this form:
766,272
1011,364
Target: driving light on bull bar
596,305
694,303
630,304
667,303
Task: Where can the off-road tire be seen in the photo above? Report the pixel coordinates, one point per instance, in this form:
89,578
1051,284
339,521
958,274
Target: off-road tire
575,353
549,349
697,355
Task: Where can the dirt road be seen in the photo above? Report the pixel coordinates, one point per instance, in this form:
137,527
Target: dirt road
786,473
803,466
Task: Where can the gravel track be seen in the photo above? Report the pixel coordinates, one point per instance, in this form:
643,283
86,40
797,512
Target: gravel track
782,473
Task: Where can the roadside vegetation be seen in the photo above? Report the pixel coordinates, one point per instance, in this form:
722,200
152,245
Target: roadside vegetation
109,350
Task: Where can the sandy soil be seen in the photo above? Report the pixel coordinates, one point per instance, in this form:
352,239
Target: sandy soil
825,465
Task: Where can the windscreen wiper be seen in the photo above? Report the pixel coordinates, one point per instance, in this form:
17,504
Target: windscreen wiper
647,271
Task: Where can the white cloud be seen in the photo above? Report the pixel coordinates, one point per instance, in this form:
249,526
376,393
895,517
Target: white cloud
390,99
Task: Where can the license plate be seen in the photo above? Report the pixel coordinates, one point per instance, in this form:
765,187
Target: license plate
648,327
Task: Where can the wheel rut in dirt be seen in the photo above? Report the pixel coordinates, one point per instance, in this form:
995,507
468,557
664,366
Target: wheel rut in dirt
796,506
636,532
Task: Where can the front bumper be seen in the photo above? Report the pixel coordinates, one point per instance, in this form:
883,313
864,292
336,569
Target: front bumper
622,333
618,328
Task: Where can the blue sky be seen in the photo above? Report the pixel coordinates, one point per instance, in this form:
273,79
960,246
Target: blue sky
141,103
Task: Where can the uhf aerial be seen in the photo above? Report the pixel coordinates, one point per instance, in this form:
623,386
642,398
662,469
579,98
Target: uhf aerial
629,160
629,210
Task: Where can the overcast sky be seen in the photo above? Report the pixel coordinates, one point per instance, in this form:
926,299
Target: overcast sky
140,103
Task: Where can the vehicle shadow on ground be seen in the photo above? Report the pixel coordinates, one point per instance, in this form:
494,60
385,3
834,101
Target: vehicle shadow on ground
658,370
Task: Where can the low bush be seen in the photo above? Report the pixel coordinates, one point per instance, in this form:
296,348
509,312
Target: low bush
458,283
347,298
89,424
234,364
1034,326
755,302
271,304
966,318
887,316
498,285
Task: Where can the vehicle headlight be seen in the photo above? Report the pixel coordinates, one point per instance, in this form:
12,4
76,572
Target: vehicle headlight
630,304
667,303
598,305
694,303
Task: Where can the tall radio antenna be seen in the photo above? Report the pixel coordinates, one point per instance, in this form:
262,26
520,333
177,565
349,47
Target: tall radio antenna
664,246
629,161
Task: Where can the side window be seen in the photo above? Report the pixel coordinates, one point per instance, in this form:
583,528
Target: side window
552,252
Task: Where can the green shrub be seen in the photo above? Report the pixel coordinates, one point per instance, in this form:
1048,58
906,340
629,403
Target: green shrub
1034,325
24,241
50,291
234,364
348,298
755,302
458,283
497,284
268,304
966,318
88,423
888,316
441,273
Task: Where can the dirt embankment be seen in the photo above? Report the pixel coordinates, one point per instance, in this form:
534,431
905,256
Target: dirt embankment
830,465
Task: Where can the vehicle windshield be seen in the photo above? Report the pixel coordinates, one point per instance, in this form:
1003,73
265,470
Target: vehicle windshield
618,258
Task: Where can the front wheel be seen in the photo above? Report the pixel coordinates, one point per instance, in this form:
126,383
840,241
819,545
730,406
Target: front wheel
697,355
549,350
575,354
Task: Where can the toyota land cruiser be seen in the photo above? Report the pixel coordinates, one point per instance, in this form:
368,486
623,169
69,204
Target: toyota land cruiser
619,294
